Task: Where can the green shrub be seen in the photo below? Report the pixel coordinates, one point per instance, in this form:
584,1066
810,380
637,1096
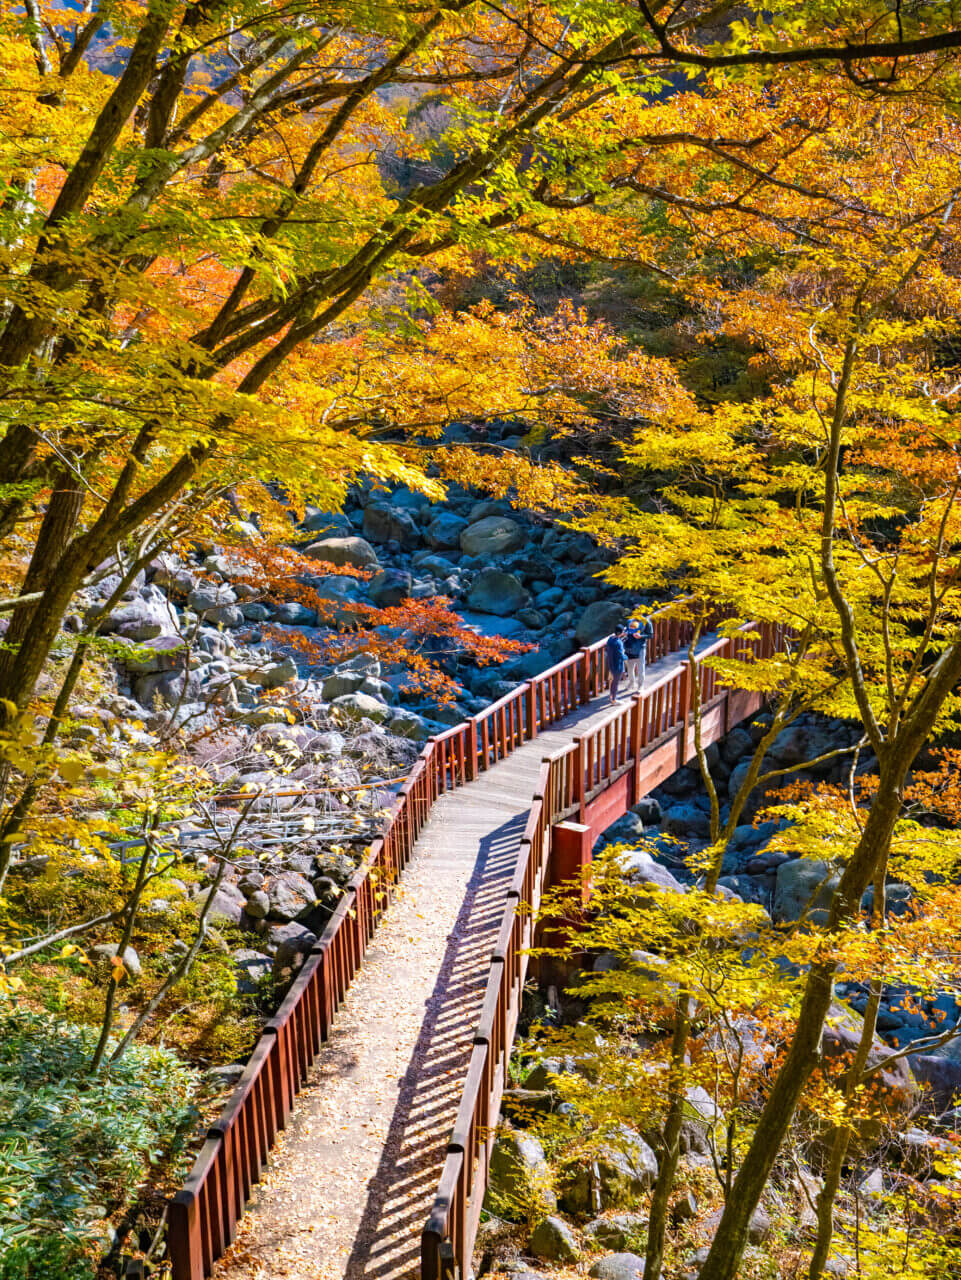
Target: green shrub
49,1258
73,1146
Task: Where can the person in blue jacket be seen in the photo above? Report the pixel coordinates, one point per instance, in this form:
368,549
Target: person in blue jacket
616,658
639,632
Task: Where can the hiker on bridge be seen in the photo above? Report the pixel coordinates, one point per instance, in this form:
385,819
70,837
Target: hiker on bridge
639,632
616,657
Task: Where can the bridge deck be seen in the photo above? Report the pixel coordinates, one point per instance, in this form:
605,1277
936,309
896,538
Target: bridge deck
351,1181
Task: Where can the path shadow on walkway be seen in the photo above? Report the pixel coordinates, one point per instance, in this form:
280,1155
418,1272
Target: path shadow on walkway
387,1244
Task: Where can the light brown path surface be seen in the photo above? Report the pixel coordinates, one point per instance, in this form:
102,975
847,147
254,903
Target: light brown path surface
350,1183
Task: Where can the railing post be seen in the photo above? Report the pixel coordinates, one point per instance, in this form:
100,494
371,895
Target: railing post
531,709
184,1237
636,746
585,675
578,787
472,749
684,711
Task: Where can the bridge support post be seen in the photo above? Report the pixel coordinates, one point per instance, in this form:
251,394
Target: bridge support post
570,856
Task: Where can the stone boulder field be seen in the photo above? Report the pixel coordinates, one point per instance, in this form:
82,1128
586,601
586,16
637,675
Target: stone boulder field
302,748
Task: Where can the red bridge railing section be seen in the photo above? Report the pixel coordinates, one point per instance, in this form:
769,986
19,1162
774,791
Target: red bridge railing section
594,780
202,1217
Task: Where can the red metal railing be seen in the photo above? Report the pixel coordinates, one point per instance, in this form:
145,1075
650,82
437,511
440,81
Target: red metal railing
202,1217
568,781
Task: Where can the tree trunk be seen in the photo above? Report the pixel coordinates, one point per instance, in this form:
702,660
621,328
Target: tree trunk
667,1171
727,1248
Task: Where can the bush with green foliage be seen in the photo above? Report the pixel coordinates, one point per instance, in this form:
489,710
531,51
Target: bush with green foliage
74,1146
48,1258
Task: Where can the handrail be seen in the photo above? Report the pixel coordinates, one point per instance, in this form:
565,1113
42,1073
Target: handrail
202,1216
595,762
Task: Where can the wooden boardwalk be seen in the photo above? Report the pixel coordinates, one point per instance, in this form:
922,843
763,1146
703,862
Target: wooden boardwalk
352,1179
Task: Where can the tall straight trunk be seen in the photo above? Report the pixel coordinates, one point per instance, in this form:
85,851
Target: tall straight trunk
727,1248
667,1170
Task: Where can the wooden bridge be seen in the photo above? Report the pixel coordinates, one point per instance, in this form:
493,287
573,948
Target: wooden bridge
397,1032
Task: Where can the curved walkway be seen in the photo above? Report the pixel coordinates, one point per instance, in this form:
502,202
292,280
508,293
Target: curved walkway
351,1181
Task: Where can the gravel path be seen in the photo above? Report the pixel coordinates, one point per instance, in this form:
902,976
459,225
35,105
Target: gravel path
349,1184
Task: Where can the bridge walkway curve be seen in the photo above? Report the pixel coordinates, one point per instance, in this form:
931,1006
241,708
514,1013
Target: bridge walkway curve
351,1180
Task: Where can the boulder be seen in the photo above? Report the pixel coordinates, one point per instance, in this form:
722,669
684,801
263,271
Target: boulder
625,1168
895,1085
341,682
257,717
384,523
520,1176
139,620
289,943
639,867
389,587
289,894
257,905
444,531
379,689
618,1266
940,1077
360,706
625,829
272,677
553,1239
295,615
759,1227
496,592
228,904
163,654
492,536
805,885
598,620
618,1230
351,550
108,950
407,724
317,521
687,820
252,968
736,745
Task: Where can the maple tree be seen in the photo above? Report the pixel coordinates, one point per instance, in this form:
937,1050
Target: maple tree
170,244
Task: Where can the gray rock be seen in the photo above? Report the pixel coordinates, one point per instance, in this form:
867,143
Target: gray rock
341,682
329,744
384,523
759,1227
553,1239
163,654
274,676
496,592
257,905
598,620
940,1077
618,1230
492,536
351,550
687,820
389,587
407,724
290,943
627,828
444,531
167,686
256,717
618,1266
289,894
317,521
520,1176
208,598
139,620
108,950
379,689
626,1167
252,968
295,615
802,884
360,706
228,904
255,612
639,867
